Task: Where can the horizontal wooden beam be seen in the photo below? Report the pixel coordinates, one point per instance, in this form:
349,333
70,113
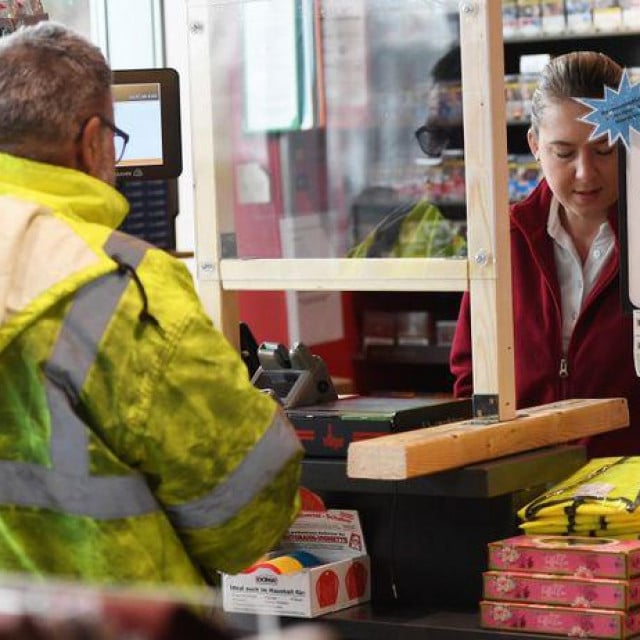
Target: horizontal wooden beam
424,451
344,274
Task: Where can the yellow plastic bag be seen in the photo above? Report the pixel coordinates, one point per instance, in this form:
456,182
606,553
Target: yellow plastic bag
603,487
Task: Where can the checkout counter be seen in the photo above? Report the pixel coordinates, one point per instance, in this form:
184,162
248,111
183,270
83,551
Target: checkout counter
426,536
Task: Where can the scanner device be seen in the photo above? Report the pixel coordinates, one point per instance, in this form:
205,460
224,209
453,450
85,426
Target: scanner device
296,376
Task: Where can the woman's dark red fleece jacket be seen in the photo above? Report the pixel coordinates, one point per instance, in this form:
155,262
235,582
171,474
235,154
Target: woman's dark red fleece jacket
599,361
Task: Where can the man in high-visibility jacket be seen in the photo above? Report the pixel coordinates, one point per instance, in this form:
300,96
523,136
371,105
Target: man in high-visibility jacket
133,447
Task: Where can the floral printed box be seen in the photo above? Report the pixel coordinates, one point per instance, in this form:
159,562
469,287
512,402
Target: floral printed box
568,591
567,555
576,623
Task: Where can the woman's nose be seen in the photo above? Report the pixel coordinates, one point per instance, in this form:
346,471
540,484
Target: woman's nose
585,164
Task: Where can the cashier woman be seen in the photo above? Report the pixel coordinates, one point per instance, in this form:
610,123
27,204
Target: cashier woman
572,339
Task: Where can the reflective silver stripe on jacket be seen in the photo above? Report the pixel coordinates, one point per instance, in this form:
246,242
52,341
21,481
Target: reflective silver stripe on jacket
102,498
68,485
276,447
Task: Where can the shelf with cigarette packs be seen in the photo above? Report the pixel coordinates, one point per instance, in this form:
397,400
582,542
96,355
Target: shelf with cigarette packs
620,44
572,34
557,19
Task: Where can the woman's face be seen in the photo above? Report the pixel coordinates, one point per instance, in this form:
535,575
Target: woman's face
582,173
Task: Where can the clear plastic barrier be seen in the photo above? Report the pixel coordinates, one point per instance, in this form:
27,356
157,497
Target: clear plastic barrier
316,105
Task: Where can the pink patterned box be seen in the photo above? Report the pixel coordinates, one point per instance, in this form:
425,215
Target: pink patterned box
567,555
567,591
577,623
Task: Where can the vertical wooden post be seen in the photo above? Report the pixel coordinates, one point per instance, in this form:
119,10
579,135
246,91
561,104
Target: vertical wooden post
213,197
487,208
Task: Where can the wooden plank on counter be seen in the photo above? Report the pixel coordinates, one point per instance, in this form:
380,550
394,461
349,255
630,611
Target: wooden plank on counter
424,451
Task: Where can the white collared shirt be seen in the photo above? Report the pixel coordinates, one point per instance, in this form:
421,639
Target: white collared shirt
576,280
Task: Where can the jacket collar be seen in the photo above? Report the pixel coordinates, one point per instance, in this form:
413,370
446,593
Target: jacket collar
64,190
531,215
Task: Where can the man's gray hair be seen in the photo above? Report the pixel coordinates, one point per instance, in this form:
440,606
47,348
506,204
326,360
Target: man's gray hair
51,80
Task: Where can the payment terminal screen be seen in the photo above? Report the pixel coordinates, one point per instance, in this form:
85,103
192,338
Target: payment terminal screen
138,112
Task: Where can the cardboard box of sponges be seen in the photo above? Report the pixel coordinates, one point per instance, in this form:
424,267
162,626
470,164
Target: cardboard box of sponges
337,576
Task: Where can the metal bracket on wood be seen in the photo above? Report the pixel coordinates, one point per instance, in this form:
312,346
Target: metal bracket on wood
485,407
228,245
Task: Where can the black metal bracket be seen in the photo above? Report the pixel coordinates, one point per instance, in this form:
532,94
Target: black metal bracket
485,407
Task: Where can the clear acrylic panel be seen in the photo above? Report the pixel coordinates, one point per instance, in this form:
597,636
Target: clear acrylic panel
316,107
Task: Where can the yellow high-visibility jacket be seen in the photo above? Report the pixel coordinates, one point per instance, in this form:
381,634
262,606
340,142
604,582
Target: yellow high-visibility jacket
133,447
418,230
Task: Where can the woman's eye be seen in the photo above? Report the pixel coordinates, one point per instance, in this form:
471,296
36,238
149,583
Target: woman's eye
564,154
605,152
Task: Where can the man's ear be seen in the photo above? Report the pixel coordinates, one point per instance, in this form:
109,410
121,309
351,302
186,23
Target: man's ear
89,147
532,139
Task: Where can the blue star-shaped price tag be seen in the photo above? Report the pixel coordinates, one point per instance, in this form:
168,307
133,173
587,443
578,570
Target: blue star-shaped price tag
615,114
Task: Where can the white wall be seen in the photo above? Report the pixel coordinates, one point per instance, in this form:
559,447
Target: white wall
134,33
153,33
176,56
